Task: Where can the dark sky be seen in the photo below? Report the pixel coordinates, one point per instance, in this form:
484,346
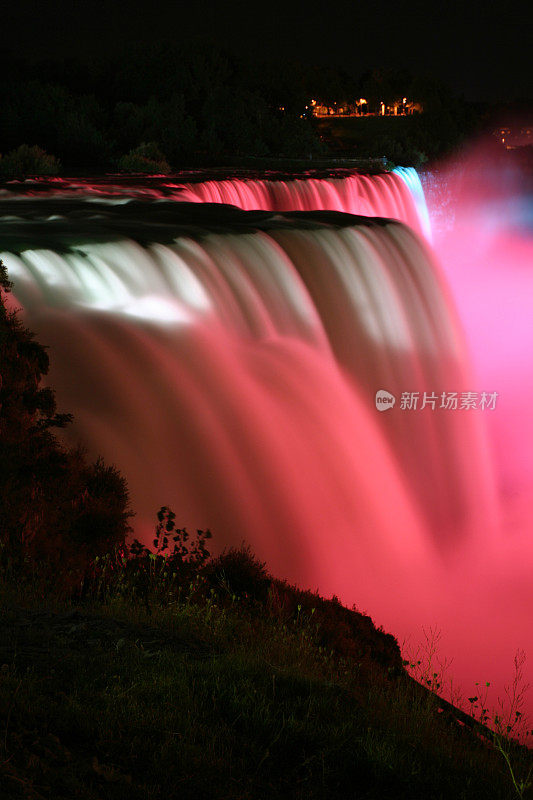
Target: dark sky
482,49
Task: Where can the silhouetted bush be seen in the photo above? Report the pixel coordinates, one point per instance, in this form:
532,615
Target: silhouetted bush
146,158
401,150
26,160
347,632
238,572
152,576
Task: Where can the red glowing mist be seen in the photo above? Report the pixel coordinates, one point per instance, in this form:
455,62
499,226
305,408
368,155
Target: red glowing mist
481,208
487,254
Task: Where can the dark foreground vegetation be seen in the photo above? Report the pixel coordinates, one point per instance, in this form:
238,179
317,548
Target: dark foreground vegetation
160,678
128,672
53,503
161,108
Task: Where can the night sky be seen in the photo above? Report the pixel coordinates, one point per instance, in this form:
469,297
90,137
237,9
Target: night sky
481,49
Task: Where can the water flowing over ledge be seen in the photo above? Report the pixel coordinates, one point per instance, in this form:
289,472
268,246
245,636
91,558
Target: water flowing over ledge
228,362
396,194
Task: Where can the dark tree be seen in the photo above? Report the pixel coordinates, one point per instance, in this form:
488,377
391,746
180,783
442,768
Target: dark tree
53,504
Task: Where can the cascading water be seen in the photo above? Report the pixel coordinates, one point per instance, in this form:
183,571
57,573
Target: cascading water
396,194
228,363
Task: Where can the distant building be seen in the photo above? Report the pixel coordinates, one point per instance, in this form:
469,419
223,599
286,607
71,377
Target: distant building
361,107
514,136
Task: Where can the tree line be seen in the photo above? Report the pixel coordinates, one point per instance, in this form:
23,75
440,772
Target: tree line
195,106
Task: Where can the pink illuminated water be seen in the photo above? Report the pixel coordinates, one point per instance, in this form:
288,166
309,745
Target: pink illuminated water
229,364
381,195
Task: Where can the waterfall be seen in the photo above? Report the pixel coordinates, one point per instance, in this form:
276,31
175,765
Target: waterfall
228,360
201,340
